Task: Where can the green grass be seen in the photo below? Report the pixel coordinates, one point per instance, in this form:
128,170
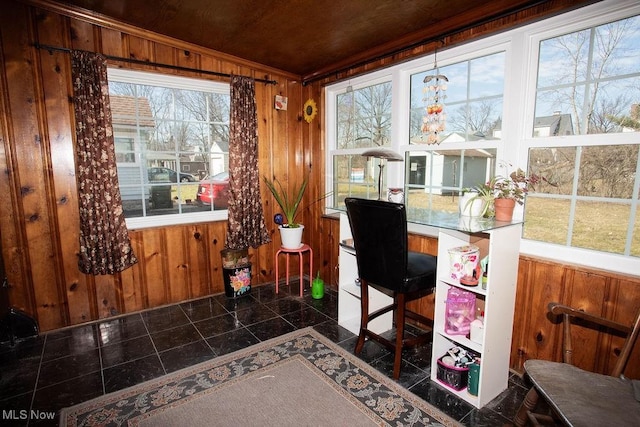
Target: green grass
598,226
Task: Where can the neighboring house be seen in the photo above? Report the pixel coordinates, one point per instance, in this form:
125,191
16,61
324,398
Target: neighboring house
133,122
446,164
555,125
219,157
194,163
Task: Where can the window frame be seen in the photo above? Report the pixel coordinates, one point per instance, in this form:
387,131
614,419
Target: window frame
591,16
173,82
377,77
521,64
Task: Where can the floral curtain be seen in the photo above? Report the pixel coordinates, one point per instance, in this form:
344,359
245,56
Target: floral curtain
105,247
246,226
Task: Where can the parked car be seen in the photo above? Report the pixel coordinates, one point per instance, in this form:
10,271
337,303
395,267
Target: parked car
168,175
214,190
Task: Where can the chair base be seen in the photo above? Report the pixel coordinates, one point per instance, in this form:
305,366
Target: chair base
400,342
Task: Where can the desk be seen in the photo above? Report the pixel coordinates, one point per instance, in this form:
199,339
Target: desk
300,251
500,241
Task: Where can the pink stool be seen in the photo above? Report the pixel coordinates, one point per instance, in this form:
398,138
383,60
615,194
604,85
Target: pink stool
300,251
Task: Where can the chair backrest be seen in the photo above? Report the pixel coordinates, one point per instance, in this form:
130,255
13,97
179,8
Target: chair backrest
630,332
379,231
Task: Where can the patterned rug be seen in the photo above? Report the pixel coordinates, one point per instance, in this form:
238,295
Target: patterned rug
300,378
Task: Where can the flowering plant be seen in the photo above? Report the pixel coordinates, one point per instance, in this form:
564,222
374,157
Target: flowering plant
515,187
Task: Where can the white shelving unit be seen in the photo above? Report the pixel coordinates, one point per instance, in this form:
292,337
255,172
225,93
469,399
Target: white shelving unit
502,244
349,291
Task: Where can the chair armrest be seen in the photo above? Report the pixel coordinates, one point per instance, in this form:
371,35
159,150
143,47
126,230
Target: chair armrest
561,309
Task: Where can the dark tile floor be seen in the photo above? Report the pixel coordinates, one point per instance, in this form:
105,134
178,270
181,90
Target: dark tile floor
62,368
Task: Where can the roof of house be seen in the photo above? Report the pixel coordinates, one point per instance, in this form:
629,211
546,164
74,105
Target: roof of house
558,124
126,111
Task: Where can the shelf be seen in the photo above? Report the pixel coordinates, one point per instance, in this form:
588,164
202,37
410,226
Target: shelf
351,288
498,302
349,293
462,394
475,289
352,324
347,245
463,341
498,241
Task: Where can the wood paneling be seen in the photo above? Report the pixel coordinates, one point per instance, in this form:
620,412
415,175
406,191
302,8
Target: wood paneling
39,219
537,335
38,203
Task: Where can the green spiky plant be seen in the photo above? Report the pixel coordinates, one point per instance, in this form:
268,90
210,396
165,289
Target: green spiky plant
288,202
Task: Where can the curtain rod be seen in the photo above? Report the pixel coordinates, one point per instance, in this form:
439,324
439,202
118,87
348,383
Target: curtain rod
153,64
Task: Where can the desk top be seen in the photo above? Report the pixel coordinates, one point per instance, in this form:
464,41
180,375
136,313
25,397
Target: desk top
454,221
448,220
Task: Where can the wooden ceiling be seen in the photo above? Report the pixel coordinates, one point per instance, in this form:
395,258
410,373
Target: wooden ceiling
306,37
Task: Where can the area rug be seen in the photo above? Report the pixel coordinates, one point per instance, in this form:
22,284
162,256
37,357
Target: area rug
297,379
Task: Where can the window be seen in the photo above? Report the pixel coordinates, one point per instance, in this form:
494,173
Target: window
172,141
592,203
558,97
588,81
466,153
588,91
473,102
363,121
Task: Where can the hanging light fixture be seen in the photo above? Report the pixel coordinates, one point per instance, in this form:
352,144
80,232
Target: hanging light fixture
435,88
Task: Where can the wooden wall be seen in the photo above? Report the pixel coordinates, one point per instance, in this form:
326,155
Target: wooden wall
38,202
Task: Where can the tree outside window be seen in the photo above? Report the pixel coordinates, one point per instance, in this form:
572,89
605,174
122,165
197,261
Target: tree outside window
588,83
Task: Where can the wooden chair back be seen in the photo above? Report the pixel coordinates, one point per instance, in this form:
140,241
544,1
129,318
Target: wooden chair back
629,331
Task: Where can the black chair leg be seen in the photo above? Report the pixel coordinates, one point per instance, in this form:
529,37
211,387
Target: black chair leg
364,317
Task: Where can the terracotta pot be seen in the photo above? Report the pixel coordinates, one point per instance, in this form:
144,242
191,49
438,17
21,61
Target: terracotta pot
504,209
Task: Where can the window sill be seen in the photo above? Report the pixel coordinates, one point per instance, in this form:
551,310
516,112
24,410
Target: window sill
169,220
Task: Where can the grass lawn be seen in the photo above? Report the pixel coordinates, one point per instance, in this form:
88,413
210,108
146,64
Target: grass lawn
599,226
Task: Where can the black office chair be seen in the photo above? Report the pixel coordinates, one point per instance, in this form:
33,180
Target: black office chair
379,231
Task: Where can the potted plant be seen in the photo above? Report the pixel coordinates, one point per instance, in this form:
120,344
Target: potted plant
501,193
477,201
289,203
291,231
511,190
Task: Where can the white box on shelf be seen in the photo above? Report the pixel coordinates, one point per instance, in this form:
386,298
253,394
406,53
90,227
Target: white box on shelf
477,328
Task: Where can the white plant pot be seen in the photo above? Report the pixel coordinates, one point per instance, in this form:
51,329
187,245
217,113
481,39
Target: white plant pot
291,237
472,209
